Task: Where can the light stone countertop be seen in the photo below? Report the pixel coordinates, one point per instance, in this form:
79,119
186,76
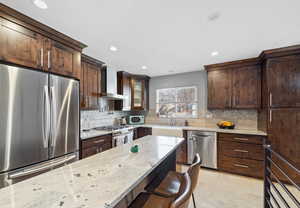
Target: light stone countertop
99,181
216,129
95,133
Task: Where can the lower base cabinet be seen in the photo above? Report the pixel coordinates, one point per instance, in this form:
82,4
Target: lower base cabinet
143,131
181,153
241,154
240,166
95,145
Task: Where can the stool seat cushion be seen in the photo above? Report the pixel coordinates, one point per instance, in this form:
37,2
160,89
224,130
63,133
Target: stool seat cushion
170,186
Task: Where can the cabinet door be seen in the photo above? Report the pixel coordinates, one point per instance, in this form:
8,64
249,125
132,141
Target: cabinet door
143,131
219,89
284,135
63,60
246,87
137,86
20,45
283,81
181,152
124,88
82,86
91,84
146,94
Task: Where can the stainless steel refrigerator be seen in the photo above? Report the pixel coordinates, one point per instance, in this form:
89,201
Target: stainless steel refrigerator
39,122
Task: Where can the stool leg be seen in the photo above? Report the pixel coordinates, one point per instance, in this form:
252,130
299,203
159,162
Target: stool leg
194,200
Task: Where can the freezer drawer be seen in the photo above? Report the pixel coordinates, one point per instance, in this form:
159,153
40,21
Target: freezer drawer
205,144
22,174
23,117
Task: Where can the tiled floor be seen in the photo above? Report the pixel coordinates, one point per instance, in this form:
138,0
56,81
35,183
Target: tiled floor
223,190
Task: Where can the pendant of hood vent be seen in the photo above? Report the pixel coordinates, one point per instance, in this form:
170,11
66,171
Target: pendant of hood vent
111,86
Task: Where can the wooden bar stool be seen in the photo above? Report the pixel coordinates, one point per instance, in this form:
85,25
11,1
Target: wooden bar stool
181,200
170,186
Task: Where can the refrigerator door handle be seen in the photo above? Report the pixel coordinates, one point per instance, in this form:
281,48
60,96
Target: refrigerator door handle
46,117
54,116
40,168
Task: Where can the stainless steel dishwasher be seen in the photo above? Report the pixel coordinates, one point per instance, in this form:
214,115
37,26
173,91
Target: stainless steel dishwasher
204,143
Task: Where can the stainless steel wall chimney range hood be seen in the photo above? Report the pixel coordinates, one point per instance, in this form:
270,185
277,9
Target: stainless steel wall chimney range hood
111,86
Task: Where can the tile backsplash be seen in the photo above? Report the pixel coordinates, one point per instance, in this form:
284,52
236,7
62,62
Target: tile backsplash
105,116
243,119
95,118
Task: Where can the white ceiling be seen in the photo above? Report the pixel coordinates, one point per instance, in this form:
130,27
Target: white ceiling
171,35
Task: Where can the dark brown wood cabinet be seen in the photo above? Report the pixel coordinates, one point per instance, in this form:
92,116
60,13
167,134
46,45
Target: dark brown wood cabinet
95,145
29,43
139,93
234,85
241,154
246,87
124,88
135,88
91,78
283,81
219,89
284,134
143,131
280,111
181,152
62,59
20,45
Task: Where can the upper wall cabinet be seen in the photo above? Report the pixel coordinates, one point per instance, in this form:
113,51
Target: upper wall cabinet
20,45
219,89
62,59
283,75
234,85
139,93
28,43
135,89
90,82
124,88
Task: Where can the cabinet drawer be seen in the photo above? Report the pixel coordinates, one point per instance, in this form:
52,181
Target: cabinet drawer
241,166
95,150
241,150
97,141
250,139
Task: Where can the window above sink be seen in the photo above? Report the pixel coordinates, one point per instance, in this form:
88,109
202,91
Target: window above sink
179,102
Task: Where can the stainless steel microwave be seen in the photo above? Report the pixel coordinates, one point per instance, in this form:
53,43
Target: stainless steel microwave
140,119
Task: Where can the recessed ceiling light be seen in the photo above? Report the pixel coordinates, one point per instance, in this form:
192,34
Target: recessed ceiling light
144,67
215,53
113,48
40,4
214,16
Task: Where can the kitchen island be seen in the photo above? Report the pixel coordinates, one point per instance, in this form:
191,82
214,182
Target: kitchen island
109,179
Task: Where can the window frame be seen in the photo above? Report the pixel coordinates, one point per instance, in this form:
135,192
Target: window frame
194,102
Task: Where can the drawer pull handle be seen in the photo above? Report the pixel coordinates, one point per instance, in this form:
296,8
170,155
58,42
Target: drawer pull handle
241,139
99,141
241,166
239,150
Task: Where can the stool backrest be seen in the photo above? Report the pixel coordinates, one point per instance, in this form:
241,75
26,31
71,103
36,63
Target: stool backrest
194,171
182,199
